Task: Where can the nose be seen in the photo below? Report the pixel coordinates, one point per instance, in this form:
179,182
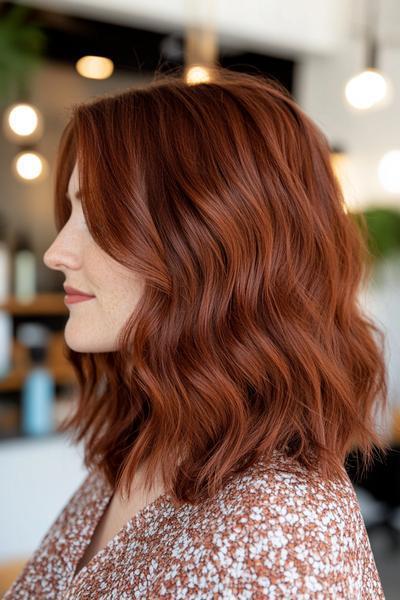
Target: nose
62,254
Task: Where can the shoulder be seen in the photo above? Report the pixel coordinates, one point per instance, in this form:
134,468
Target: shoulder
287,531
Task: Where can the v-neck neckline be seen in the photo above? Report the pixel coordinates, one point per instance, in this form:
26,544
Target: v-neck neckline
101,492
103,496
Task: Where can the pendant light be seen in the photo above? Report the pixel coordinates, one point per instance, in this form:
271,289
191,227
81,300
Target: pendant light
200,41
370,89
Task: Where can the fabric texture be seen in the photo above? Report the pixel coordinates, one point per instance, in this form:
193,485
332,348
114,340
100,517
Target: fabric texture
274,531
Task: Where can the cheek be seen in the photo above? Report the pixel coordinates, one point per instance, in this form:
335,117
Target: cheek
122,299
119,296
117,288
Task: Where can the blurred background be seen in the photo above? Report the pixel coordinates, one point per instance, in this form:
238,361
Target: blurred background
340,59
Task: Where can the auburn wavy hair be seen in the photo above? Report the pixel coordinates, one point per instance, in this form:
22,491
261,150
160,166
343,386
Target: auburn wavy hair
249,337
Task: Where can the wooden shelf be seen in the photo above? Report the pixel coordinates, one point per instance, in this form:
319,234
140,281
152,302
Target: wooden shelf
63,375
42,304
61,369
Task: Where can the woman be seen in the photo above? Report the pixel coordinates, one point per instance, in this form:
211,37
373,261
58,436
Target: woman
224,365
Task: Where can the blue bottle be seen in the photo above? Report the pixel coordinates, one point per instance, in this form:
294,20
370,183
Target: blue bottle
38,395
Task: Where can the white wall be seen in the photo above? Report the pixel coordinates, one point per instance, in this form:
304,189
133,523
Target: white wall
381,302
38,477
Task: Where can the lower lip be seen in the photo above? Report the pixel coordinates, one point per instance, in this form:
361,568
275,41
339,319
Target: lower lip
73,298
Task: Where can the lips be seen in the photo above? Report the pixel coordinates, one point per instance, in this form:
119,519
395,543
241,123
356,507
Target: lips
71,291
74,295
73,298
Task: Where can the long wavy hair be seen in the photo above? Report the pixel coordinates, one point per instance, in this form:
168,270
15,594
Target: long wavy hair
248,338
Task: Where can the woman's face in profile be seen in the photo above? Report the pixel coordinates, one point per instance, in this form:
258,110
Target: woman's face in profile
94,324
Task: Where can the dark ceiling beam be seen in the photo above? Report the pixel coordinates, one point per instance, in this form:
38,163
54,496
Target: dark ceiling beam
137,49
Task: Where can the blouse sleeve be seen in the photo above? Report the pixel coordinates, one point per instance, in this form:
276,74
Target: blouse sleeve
307,547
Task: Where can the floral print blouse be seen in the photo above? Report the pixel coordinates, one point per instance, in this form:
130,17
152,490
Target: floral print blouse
274,531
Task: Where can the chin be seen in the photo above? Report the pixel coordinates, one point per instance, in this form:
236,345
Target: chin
79,347
81,342
77,340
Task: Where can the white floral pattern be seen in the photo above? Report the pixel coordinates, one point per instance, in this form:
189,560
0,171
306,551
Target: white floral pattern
275,531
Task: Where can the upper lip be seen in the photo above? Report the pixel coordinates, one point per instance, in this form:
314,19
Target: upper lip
72,290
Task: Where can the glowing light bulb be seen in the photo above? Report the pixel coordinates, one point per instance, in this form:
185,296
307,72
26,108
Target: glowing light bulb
367,89
29,165
95,67
197,74
22,120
